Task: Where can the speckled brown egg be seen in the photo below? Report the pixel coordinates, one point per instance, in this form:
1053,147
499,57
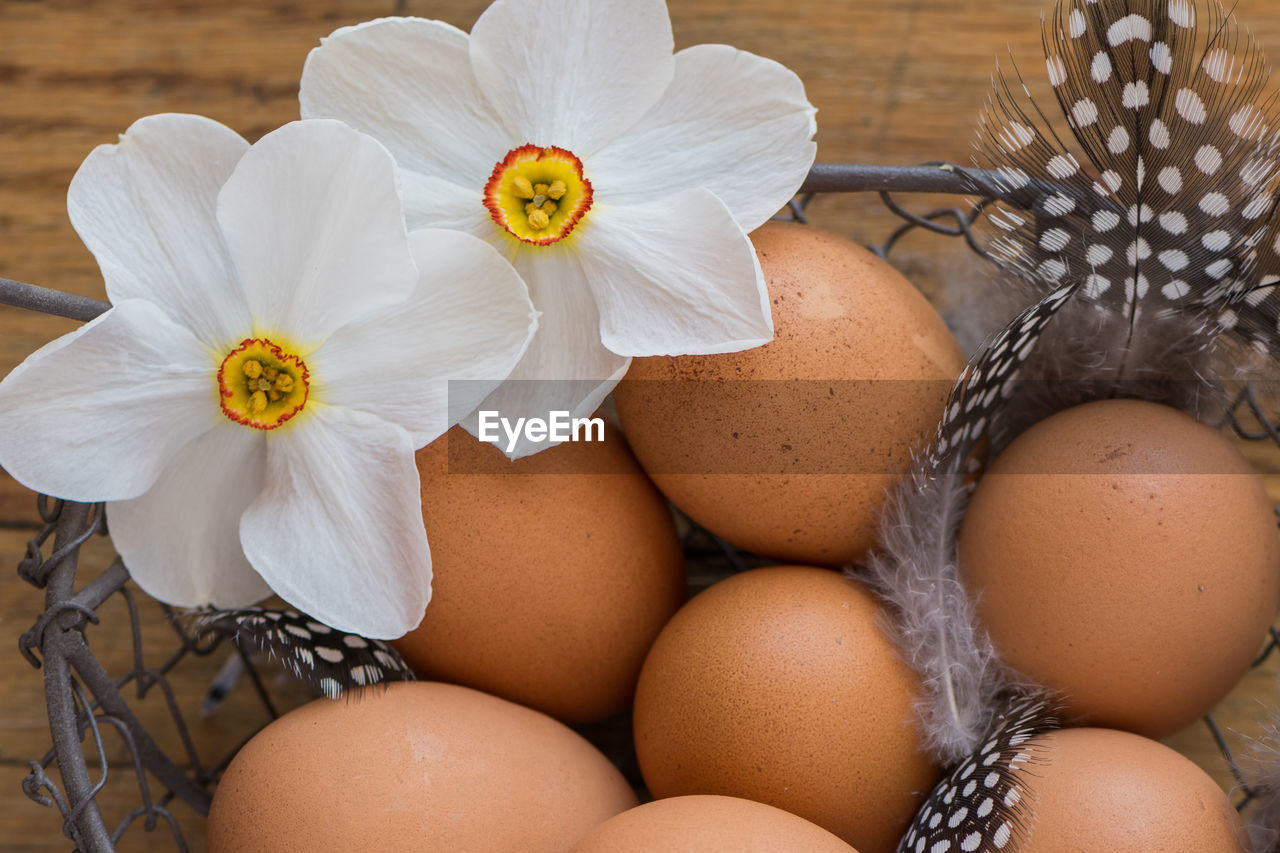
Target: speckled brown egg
778,685
786,449
1127,556
422,766
708,824
1104,790
553,573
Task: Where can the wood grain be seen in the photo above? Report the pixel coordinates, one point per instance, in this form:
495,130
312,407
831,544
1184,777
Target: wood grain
895,81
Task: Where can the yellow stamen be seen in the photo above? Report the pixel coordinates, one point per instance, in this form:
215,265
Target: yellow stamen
538,195
261,385
523,188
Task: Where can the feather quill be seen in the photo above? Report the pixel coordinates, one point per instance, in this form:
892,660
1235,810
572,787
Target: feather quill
996,814
915,568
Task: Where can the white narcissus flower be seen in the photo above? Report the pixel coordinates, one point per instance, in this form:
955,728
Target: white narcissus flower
620,180
277,346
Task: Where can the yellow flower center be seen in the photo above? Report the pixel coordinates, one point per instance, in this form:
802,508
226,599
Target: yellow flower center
261,385
538,194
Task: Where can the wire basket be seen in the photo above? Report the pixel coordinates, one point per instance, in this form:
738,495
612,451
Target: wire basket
85,701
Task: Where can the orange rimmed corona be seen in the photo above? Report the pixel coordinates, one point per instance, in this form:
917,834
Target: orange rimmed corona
537,194
262,385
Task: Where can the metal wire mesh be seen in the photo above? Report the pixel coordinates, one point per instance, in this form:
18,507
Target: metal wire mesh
84,700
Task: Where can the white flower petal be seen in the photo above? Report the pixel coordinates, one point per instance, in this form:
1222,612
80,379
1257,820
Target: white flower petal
675,276
408,82
181,540
145,208
337,531
567,344
733,122
430,361
97,414
313,221
436,203
565,368
572,73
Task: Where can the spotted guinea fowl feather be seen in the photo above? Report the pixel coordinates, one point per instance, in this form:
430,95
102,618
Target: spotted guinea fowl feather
1158,179
1137,217
988,382
914,567
332,662
984,804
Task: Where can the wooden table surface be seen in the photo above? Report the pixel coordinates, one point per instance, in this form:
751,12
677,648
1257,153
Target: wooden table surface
895,81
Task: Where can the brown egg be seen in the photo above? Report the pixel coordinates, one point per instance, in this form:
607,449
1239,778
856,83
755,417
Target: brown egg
553,574
421,766
1127,556
787,449
708,824
777,685
1103,790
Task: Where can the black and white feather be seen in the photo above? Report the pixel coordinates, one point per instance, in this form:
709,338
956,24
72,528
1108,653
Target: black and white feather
332,662
1137,220
985,804
989,382
1156,186
915,568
